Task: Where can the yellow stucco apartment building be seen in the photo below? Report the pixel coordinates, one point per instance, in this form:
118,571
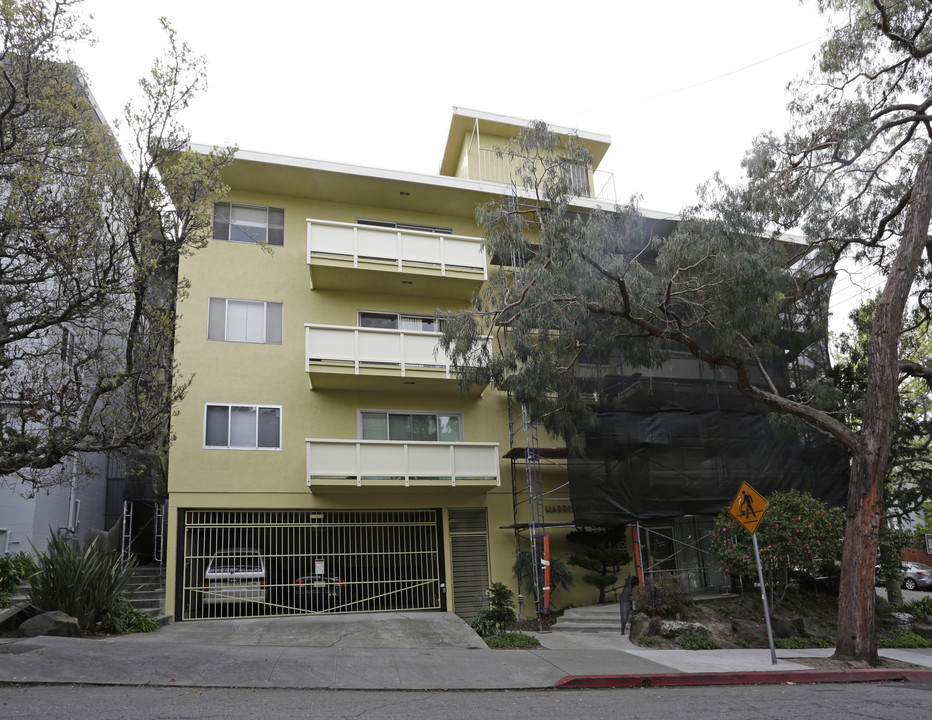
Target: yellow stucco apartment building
325,459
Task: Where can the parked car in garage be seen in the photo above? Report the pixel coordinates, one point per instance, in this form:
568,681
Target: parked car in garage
916,576
318,591
234,575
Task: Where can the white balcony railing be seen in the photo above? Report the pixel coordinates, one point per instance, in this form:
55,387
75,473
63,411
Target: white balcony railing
401,247
404,349
402,464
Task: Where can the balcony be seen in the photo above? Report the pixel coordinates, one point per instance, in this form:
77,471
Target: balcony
336,464
388,260
340,357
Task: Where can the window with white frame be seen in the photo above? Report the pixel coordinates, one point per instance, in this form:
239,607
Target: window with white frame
249,223
576,176
398,321
251,321
402,426
245,427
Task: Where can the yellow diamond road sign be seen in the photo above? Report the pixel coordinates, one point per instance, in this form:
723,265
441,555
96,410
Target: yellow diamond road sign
748,507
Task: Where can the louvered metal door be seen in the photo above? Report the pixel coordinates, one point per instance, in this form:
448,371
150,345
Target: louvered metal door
469,540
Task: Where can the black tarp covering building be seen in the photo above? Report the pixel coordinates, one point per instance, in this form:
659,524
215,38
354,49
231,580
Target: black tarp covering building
670,447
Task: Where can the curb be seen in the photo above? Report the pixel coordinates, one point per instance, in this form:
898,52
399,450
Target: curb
776,677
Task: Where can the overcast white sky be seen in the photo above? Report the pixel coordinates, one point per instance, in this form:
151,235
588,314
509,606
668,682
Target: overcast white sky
681,86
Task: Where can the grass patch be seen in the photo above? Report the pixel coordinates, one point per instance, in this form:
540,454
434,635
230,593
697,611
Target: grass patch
691,641
902,639
800,643
510,640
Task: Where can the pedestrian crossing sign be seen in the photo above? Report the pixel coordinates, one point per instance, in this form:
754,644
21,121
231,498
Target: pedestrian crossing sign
748,507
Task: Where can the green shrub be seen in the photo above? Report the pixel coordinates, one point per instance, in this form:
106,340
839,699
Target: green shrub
691,641
84,583
561,577
800,643
902,639
511,640
499,615
124,618
602,553
661,596
14,569
918,608
798,534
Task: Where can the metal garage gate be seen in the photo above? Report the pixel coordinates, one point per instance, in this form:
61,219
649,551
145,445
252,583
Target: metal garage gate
239,563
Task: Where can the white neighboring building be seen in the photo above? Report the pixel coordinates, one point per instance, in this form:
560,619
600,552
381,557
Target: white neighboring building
71,509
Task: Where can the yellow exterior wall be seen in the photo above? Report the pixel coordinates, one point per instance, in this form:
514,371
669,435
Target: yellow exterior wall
234,372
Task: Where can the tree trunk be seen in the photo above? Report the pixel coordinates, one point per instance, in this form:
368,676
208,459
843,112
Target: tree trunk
857,638
894,591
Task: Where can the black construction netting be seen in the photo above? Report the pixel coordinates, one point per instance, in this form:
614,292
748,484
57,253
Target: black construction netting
668,454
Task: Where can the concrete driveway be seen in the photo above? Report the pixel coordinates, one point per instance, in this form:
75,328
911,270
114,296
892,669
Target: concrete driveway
392,630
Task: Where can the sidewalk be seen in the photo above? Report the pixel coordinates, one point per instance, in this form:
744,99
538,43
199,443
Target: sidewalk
396,651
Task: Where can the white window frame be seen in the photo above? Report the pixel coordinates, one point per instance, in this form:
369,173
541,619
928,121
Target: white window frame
398,317
576,175
226,319
257,408
435,413
267,226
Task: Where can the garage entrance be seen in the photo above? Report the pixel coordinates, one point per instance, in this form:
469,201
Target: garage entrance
256,563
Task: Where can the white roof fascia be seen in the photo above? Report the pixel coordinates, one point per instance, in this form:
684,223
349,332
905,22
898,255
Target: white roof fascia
443,181
520,122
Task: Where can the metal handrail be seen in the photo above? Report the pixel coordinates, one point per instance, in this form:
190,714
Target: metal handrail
625,603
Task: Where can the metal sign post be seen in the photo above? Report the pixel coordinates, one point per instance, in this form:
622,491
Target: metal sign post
763,596
748,508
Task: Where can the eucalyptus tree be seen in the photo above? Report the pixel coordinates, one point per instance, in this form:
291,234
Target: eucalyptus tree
90,236
853,176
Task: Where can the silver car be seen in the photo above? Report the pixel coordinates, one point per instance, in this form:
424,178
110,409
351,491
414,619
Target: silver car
916,575
235,575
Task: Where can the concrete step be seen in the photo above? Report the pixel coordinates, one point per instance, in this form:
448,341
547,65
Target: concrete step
570,626
146,590
20,594
149,573
592,611
591,619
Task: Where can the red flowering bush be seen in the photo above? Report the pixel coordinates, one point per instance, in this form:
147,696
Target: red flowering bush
797,534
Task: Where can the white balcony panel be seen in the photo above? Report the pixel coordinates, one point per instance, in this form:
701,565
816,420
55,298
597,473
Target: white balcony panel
402,464
399,247
331,239
332,343
372,243
463,254
375,346
381,347
421,248
331,459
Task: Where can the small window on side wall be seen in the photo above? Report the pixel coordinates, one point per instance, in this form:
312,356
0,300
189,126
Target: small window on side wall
251,321
249,223
242,427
